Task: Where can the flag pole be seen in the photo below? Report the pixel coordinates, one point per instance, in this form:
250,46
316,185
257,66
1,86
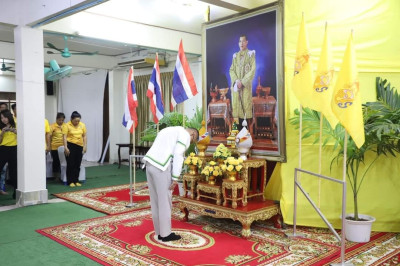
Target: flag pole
343,247
130,170
183,114
320,159
134,161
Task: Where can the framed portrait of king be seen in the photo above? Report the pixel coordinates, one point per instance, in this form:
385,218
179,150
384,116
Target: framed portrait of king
243,79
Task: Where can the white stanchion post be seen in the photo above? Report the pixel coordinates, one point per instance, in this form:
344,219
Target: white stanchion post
130,205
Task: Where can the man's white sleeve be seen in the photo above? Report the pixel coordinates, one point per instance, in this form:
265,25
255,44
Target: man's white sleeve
177,163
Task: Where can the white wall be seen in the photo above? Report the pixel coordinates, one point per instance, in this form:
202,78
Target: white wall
7,83
50,101
118,134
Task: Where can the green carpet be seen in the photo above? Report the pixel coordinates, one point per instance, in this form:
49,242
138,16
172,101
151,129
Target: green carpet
21,245
96,176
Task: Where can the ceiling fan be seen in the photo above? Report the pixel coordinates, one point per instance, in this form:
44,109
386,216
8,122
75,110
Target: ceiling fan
4,68
65,52
54,72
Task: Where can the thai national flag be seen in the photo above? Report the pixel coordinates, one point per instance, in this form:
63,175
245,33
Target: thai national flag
154,93
129,119
183,85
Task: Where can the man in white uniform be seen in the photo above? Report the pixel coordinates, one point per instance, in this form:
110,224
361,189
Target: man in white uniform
164,163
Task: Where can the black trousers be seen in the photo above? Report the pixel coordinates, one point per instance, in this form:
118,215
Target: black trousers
56,161
8,154
74,161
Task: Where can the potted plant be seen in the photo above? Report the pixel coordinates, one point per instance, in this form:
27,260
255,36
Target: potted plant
232,166
382,134
212,171
193,162
221,153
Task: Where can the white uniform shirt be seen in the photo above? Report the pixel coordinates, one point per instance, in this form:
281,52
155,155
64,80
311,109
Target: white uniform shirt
170,143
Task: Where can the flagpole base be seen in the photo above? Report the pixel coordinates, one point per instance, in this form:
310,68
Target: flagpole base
130,205
292,235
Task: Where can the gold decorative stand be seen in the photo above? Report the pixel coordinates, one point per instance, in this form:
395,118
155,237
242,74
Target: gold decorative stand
192,179
210,189
234,186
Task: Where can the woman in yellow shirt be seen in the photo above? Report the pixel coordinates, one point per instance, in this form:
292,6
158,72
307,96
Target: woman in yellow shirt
8,145
57,140
75,146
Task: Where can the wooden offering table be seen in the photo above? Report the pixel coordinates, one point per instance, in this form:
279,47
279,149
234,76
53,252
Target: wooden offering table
246,215
250,187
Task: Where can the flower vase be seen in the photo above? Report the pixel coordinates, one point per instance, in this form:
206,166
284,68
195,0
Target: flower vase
193,169
232,175
212,179
220,161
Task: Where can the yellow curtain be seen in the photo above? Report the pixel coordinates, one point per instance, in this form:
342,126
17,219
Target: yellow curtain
143,111
375,24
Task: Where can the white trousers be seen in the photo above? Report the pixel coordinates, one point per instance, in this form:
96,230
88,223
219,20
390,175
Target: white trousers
160,198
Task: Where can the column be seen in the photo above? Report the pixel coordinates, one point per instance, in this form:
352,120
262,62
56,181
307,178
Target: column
29,75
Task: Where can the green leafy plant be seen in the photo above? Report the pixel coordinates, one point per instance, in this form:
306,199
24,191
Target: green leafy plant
169,120
382,134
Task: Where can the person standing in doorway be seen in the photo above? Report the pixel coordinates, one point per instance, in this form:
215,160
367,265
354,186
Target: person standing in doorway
163,166
8,146
3,106
75,143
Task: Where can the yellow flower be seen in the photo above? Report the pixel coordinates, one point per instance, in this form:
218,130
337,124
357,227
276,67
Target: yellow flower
238,167
215,173
216,168
212,163
240,160
205,172
200,162
194,160
192,154
187,161
223,167
211,169
230,168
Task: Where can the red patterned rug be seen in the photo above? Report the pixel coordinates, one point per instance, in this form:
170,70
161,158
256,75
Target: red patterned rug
110,200
128,239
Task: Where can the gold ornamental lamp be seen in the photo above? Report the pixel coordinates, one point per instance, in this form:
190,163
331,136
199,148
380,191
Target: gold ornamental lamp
204,139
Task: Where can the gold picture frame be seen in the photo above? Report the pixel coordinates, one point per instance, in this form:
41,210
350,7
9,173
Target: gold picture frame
260,98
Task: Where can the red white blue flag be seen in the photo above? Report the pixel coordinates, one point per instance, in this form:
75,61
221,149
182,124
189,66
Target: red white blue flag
183,85
154,93
129,119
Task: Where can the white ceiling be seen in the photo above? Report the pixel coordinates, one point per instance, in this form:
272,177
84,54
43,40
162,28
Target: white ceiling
185,16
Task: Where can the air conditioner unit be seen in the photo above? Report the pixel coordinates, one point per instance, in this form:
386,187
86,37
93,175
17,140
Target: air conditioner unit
146,62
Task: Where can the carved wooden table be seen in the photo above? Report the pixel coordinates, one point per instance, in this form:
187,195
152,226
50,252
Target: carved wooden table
246,215
234,186
210,189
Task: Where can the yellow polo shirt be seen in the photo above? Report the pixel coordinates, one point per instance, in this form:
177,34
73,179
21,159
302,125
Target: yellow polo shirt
46,130
9,138
56,132
75,134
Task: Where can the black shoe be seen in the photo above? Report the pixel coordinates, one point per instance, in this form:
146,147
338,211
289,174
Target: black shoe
171,237
14,195
160,237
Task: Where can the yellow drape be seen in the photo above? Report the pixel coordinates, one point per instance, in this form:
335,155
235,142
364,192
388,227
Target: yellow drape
375,24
